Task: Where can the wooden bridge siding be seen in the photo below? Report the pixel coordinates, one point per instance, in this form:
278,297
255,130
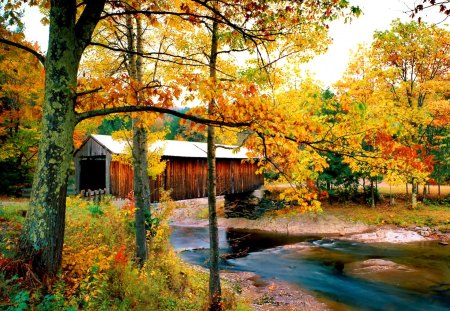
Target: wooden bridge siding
121,179
245,177
188,178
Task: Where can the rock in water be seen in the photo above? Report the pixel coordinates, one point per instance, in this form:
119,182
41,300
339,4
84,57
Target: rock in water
388,235
373,266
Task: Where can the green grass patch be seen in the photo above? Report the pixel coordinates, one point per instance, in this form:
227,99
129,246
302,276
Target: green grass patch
13,212
437,216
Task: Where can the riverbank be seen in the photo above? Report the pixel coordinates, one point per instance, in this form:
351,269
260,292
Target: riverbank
272,295
194,213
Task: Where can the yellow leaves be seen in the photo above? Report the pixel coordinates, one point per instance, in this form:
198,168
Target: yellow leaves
77,263
301,198
131,98
90,247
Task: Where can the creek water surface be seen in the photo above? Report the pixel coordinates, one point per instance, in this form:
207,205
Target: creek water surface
340,272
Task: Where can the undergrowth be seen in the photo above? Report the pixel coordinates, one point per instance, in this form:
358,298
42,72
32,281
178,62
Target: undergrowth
98,271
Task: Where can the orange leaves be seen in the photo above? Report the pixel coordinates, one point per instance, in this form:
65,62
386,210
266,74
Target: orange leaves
96,94
121,258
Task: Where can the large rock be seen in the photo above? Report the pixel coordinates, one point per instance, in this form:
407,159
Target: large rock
389,236
374,265
389,272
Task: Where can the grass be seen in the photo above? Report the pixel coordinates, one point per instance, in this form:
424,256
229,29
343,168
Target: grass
430,212
98,270
437,216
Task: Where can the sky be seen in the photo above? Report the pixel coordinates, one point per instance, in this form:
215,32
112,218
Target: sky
377,15
328,67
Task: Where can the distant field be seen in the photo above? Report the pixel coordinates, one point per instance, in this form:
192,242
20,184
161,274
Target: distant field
399,190
385,189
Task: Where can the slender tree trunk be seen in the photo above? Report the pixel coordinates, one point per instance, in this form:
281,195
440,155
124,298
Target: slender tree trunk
140,149
439,190
372,193
42,236
424,193
363,197
414,194
215,294
407,191
330,197
392,199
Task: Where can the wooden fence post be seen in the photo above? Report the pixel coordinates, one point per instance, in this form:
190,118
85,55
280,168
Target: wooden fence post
96,196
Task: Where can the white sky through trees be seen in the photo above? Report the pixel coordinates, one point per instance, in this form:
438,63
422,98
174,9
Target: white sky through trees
328,67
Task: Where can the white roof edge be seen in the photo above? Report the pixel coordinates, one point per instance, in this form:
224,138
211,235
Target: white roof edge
175,148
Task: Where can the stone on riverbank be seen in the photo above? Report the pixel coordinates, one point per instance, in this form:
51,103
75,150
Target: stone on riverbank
389,236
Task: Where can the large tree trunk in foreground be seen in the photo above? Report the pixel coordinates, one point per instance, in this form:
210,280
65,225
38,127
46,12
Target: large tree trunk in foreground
215,294
43,232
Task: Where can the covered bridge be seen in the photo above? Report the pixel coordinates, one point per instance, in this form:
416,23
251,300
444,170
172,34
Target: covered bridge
185,172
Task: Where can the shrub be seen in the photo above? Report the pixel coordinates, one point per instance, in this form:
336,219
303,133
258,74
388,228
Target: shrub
98,270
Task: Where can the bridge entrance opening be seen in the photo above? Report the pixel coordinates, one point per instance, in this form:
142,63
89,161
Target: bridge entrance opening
92,173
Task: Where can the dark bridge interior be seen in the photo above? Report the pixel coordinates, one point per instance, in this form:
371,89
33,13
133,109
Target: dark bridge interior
92,173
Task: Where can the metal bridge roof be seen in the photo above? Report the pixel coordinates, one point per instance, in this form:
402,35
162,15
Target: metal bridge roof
175,148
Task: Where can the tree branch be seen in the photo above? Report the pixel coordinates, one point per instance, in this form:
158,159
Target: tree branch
87,92
88,21
36,54
106,111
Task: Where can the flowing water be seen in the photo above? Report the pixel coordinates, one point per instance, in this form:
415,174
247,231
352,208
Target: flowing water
347,275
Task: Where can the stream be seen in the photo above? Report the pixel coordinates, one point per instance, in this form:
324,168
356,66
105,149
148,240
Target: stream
346,275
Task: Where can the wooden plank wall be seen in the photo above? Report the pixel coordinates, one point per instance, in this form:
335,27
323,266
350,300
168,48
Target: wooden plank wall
121,179
188,178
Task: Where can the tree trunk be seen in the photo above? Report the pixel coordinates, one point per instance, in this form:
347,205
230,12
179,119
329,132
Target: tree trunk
214,269
215,294
330,197
407,191
140,149
363,197
43,232
414,194
439,190
141,190
372,193
391,197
